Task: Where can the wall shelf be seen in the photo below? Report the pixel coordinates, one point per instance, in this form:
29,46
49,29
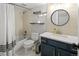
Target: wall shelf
37,23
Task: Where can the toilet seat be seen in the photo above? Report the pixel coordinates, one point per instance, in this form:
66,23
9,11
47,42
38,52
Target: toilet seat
28,43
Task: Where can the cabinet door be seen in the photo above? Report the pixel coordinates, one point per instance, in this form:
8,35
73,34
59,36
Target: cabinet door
47,50
62,52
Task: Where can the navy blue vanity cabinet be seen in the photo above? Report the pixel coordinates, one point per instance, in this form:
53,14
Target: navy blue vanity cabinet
62,52
47,50
51,47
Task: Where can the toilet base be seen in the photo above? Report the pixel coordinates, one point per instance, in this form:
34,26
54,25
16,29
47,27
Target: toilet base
29,52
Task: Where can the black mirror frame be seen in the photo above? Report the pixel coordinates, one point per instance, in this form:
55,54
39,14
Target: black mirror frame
64,23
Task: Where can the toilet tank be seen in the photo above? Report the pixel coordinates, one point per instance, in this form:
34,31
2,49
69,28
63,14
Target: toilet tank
34,36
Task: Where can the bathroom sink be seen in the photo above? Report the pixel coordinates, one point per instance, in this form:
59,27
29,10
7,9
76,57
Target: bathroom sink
66,36
69,37
63,36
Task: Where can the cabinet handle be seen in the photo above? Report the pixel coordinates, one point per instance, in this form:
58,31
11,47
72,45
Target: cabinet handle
74,49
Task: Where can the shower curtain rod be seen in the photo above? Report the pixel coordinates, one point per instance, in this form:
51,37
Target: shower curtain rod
19,6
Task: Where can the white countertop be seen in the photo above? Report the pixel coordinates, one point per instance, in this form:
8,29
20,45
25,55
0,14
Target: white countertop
63,38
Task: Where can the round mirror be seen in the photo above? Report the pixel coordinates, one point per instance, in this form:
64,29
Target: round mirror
60,17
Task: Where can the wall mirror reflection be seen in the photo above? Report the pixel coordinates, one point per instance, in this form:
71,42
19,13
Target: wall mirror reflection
60,17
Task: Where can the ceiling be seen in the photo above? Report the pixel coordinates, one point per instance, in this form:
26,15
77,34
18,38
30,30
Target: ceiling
31,5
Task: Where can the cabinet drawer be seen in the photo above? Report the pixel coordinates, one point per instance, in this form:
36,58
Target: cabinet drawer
58,44
62,45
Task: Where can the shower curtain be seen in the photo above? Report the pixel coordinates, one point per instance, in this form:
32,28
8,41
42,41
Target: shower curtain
7,29
10,29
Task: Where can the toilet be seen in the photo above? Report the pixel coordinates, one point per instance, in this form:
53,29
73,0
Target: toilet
29,44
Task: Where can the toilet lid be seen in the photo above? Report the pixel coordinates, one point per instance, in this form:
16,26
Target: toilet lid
28,42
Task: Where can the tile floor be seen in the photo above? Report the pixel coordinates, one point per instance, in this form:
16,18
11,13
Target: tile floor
21,52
